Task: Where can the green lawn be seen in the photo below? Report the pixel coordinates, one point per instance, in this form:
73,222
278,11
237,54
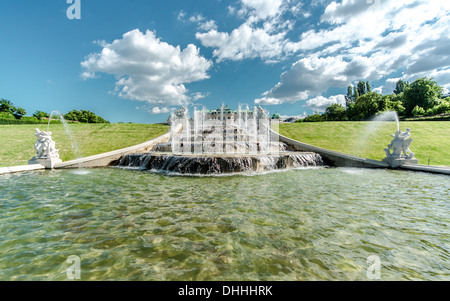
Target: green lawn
365,139
431,139
17,141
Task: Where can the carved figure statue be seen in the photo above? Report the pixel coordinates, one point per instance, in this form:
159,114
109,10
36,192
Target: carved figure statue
400,145
45,146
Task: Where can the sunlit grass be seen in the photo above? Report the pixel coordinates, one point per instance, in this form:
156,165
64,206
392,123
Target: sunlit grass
364,139
431,140
17,141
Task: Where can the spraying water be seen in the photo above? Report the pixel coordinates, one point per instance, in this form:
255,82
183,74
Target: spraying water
74,145
388,116
67,130
223,131
374,125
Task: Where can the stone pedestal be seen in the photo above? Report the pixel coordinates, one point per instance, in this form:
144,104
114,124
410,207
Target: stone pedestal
48,163
395,162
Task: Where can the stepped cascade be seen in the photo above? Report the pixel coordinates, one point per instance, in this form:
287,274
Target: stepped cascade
221,141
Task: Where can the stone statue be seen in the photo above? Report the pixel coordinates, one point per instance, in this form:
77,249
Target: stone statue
400,145
45,146
47,154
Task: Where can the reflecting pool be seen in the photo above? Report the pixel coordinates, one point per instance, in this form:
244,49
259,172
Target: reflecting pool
306,224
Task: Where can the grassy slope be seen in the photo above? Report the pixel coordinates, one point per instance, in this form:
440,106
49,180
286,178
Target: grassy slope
17,141
365,139
431,140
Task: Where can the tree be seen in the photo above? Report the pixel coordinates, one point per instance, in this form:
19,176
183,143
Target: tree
7,106
400,86
6,115
316,117
367,106
19,113
418,111
84,116
355,92
350,97
335,112
40,114
443,107
368,87
361,88
394,102
423,92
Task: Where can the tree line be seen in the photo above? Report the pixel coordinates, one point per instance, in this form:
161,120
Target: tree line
10,112
423,97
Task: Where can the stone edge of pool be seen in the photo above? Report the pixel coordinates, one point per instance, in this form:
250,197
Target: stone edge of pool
330,157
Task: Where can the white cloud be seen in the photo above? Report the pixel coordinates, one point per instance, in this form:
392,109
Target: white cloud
261,9
148,69
389,85
200,20
242,43
207,25
198,95
181,15
310,77
160,110
262,35
359,40
320,103
442,76
268,101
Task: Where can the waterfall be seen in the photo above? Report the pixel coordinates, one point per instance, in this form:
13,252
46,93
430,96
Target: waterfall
218,165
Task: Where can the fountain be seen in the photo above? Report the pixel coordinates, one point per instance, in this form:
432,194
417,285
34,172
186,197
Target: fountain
220,141
314,224
47,154
67,130
398,152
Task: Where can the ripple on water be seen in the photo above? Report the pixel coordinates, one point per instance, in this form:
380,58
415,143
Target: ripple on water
312,224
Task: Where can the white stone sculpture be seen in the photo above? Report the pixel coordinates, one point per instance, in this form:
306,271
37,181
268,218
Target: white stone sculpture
398,151
400,145
45,146
47,154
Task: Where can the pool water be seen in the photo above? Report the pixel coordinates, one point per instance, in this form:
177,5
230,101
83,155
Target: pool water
306,224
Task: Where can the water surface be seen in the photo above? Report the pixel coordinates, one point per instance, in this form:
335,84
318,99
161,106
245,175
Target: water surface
310,224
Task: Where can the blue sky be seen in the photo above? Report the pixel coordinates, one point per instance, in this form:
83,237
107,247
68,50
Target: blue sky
135,60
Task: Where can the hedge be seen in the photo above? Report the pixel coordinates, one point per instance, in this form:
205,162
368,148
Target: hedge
27,121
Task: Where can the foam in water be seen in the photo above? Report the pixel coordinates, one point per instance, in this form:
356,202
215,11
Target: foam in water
220,142
218,164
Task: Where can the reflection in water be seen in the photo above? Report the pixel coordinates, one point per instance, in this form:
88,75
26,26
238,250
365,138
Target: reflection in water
307,224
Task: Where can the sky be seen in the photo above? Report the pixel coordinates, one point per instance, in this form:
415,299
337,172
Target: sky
137,60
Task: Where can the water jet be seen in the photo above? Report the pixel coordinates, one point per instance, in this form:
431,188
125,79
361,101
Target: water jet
220,141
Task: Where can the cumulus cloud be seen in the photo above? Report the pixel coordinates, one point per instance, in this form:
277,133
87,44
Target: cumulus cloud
262,35
361,40
148,69
202,23
261,9
310,77
158,110
242,43
320,103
